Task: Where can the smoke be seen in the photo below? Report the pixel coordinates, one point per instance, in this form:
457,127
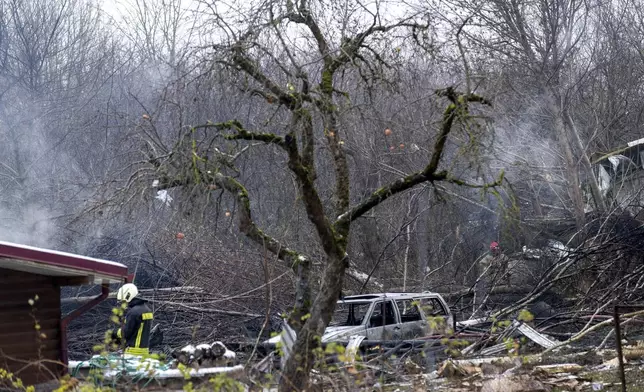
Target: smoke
41,168
29,225
525,149
522,138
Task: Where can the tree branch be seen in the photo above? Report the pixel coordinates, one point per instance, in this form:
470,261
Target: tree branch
351,46
306,18
305,176
289,99
243,134
466,67
457,108
302,167
246,223
386,192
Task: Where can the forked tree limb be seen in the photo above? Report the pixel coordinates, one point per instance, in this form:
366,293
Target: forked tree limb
430,173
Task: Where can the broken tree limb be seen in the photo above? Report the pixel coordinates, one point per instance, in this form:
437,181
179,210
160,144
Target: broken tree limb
143,292
588,330
548,280
207,310
363,278
500,289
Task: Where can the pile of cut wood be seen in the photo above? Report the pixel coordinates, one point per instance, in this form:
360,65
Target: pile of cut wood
204,355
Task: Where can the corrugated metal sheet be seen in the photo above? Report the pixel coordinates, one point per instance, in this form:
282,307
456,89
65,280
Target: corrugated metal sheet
21,349
534,335
288,341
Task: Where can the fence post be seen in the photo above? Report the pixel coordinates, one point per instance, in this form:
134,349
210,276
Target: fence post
620,358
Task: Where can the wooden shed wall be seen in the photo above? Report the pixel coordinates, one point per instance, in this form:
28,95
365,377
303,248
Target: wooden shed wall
19,340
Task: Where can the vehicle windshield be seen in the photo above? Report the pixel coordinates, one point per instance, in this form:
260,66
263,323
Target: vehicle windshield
349,314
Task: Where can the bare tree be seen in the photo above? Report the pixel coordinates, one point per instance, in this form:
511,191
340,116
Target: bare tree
300,78
159,30
54,59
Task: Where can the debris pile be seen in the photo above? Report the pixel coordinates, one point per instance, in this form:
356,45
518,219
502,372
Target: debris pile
522,374
517,335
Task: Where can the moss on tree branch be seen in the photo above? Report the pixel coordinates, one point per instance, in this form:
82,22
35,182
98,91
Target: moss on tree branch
246,223
242,133
430,173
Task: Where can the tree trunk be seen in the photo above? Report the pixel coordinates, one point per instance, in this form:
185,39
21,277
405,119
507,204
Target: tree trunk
295,377
572,172
302,295
600,204
412,211
422,235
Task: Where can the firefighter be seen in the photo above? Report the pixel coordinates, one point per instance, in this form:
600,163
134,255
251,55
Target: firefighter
138,322
495,249
500,262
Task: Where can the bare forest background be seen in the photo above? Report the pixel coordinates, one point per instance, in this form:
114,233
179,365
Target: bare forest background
108,113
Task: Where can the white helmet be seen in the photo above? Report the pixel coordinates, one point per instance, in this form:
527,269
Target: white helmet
127,292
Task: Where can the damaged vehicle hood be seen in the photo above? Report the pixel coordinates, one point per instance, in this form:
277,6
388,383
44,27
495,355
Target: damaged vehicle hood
339,333
330,334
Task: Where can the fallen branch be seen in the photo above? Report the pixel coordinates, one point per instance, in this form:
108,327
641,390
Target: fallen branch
207,310
178,289
595,327
363,278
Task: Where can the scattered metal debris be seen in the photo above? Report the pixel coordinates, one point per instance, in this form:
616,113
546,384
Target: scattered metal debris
534,335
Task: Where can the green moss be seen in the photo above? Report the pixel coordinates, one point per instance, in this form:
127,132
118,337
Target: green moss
408,179
380,192
242,193
327,81
303,112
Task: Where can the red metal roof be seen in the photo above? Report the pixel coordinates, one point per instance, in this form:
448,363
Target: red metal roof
54,263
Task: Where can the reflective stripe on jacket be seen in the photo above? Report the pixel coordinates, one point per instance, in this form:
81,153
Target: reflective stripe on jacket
136,331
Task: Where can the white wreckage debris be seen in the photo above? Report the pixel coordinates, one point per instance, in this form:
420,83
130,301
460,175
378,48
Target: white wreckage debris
163,196
516,328
534,335
136,367
180,374
205,355
554,248
617,175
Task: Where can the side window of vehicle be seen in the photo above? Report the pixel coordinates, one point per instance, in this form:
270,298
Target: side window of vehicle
408,310
432,307
383,314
